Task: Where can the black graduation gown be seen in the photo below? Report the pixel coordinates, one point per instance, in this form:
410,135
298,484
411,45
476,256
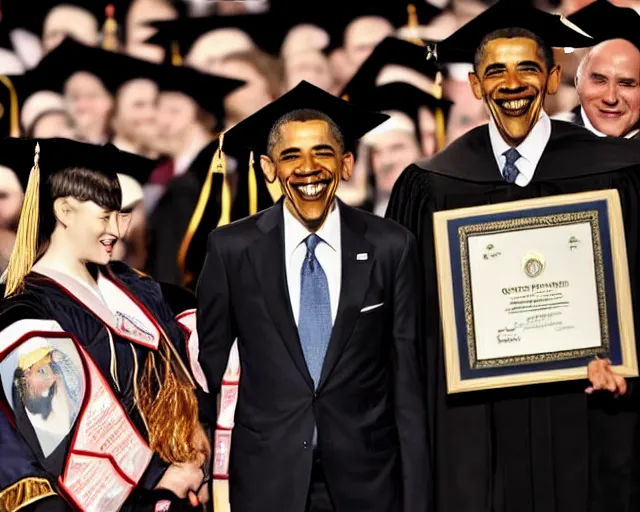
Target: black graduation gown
169,221
544,448
46,299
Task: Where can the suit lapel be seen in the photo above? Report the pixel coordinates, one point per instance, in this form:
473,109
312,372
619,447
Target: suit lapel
268,259
355,282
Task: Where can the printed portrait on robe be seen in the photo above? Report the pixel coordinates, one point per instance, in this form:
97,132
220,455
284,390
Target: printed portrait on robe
43,381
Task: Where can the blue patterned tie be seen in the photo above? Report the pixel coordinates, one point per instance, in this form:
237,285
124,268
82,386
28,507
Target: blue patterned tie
510,171
314,322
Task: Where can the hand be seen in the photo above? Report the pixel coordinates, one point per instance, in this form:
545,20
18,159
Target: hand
201,443
602,377
202,497
182,478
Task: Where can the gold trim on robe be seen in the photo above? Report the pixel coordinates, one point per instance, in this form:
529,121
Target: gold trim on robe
24,493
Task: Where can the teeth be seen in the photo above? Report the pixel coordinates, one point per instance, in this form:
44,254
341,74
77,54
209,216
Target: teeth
312,189
107,243
515,104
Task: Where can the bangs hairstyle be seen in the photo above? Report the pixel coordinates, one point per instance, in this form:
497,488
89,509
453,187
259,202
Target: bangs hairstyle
82,184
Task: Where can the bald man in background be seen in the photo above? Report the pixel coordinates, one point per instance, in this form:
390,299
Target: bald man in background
361,36
608,86
138,31
69,20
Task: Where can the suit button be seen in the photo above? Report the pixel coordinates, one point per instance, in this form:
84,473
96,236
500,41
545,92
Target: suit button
305,444
315,395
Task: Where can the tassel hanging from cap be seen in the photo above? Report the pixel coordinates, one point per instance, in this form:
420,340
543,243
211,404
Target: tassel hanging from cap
218,165
25,248
441,135
14,123
253,187
110,30
176,58
413,24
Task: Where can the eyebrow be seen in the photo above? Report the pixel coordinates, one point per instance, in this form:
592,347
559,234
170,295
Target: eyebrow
531,63
319,147
494,67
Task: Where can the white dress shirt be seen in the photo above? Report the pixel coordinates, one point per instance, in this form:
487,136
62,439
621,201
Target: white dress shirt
530,149
328,252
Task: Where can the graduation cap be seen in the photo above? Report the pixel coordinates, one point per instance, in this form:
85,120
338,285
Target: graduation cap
251,135
115,69
602,20
405,98
44,158
394,51
555,30
177,37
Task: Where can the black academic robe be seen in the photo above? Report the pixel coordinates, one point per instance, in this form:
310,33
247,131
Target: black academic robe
169,221
46,299
543,448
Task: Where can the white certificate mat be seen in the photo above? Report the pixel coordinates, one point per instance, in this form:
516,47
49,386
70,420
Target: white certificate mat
531,291
518,315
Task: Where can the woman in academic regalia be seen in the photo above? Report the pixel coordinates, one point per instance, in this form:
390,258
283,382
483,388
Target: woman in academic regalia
91,343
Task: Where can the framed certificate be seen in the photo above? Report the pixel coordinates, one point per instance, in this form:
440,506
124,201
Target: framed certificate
531,291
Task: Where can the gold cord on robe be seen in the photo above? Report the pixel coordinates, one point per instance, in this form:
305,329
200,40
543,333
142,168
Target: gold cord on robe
25,492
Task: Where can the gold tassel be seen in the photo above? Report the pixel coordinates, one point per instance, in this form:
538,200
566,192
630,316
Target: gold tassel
24,493
110,30
253,187
413,23
14,124
26,245
218,166
441,135
176,58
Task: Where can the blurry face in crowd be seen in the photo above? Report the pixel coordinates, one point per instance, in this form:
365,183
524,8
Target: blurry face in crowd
209,51
427,122
311,66
140,13
135,113
66,20
302,38
513,81
53,124
249,98
176,119
362,36
309,164
132,247
11,195
90,230
609,87
390,155
89,105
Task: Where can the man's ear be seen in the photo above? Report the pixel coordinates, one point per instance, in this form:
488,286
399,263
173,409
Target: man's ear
476,86
347,166
268,168
553,82
62,210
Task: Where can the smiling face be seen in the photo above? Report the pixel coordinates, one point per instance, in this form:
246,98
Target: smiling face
609,87
91,230
512,80
309,163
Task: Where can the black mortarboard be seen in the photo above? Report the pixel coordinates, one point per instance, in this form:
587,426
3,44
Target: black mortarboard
114,69
180,35
602,20
390,51
555,30
252,133
402,97
58,154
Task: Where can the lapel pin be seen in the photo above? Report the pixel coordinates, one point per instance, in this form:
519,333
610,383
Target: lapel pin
362,256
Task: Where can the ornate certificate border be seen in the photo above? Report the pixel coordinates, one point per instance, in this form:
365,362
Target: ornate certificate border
452,229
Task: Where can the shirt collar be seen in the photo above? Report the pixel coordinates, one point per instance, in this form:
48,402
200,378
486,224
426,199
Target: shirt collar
531,148
295,232
588,125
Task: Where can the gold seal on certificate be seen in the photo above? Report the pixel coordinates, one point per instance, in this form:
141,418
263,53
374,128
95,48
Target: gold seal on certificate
533,265
531,291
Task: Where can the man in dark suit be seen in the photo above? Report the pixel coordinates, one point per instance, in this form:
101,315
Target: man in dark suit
322,300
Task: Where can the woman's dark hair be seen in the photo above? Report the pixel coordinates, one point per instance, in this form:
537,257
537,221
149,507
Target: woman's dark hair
81,184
